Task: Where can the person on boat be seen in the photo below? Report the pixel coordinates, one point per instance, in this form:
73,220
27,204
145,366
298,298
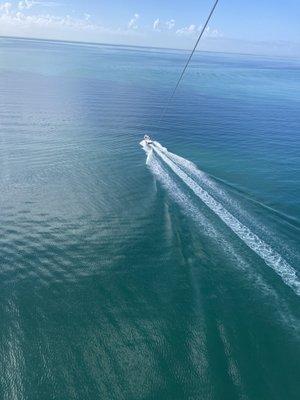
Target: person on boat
148,139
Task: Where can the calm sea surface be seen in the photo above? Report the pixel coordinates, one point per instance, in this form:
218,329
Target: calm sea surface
166,280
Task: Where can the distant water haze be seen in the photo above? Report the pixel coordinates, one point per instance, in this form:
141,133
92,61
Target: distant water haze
167,275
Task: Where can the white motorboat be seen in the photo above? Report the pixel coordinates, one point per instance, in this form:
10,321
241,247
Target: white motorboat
147,140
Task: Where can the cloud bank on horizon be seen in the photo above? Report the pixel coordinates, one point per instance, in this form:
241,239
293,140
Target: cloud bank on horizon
154,25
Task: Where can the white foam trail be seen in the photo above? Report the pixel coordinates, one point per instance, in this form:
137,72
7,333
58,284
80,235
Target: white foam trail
149,157
187,205
176,192
202,178
182,199
265,251
190,168
216,191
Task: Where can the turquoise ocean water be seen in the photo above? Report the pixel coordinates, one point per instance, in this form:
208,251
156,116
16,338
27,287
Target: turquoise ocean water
175,278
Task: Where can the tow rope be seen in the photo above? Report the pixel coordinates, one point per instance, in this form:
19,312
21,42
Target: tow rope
186,64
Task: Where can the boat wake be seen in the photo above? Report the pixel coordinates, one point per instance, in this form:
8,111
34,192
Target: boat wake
190,176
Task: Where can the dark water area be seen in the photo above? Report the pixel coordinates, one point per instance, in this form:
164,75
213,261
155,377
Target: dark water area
121,279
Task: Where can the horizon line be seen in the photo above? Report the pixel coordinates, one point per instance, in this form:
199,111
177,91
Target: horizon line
144,47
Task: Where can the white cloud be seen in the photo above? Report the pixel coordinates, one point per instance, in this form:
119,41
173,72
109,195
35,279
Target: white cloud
187,31
6,7
170,24
216,33
156,25
211,33
21,22
25,4
25,23
193,30
133,22
161,26
28,22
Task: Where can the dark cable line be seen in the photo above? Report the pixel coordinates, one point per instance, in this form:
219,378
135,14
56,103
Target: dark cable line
187,63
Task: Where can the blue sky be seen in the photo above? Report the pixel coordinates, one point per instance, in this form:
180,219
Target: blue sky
255,26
